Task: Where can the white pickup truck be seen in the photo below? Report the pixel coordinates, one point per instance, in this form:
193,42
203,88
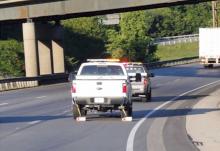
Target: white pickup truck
101,85
140,80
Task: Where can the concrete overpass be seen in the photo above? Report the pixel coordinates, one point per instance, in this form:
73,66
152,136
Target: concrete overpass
62,9
43,46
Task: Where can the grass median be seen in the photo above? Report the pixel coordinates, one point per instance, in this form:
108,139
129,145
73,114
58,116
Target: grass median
177,51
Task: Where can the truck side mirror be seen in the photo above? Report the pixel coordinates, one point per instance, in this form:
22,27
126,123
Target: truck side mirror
138,77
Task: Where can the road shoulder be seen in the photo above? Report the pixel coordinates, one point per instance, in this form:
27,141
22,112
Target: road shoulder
203,123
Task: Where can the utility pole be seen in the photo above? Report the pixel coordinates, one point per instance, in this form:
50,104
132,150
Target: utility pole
214,14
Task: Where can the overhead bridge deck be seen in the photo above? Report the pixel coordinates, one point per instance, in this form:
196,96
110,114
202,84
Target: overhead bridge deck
62,9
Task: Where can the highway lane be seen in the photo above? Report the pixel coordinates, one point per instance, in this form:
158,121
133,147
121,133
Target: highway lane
40,118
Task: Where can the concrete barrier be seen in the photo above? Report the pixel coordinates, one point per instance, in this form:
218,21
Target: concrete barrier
18,85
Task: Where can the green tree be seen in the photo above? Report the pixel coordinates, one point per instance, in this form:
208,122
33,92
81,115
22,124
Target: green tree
132,37
11,58
179,20
83,38
198,16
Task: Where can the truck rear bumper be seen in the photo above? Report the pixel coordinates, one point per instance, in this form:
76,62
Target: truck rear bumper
210,60
139,90
95,101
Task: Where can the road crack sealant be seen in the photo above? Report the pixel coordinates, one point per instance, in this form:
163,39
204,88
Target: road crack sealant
130,141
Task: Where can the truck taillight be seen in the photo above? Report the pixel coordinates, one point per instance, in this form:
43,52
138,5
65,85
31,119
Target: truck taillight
73,89
145,82
124,88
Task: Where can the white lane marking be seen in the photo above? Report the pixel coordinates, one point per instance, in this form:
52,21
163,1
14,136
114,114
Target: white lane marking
34,122
130,141
41,97
2,104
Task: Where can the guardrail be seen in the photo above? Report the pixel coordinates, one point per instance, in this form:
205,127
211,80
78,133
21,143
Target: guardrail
27,82
176,39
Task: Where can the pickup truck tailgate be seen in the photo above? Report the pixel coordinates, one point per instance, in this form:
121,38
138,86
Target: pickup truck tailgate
99,88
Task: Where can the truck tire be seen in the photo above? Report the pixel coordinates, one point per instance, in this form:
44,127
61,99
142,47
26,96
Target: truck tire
83,112
128,111
210,65
76,112
147,97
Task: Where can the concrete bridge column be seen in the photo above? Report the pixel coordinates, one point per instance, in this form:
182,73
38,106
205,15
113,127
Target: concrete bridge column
44,51
30,49
44,48
58,52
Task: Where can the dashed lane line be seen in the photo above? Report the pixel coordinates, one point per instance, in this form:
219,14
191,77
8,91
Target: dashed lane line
41,97
2,104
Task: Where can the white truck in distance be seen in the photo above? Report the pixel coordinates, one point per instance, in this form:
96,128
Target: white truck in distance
101,85
209,46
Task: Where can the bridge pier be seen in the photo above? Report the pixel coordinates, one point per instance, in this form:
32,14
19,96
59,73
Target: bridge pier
45,62
44,36
30,49
43,49
58,51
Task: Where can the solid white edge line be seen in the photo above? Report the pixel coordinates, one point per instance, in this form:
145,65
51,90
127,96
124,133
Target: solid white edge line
130,141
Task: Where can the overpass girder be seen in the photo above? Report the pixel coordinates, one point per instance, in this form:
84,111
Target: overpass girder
75,8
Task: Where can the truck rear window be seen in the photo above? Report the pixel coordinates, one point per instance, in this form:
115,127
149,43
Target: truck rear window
135,70
105,70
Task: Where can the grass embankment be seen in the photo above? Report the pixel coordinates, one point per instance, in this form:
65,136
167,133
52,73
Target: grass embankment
177,51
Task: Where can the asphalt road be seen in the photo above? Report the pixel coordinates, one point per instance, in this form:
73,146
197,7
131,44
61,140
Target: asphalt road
40,119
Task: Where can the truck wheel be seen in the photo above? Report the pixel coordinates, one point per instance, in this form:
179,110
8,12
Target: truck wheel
127,111
147,97
83,112
76,111
210,66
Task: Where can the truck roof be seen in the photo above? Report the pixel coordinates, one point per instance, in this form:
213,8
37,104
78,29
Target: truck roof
102,63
